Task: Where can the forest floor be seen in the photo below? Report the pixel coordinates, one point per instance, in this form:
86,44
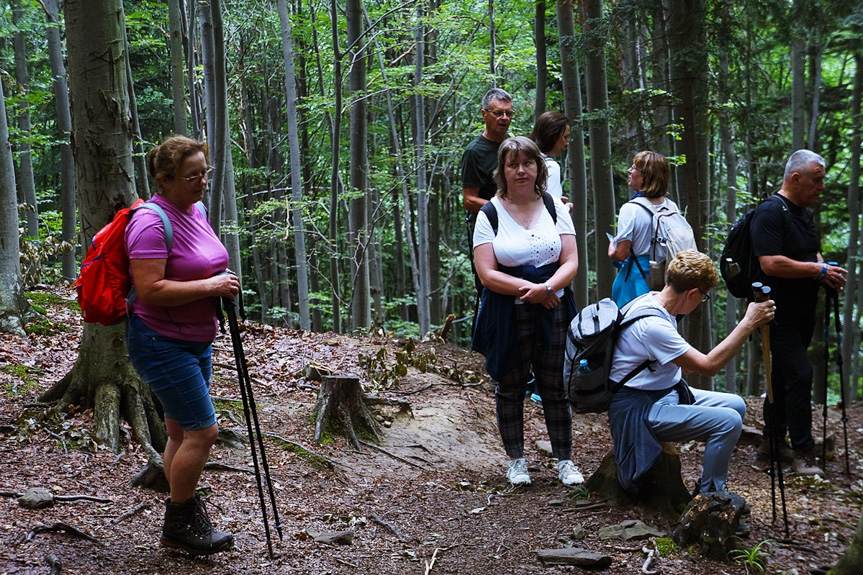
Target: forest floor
432,499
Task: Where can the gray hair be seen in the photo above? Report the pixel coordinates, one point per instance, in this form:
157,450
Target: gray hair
495,94
800,161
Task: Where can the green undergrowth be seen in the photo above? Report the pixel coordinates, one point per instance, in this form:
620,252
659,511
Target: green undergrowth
25,379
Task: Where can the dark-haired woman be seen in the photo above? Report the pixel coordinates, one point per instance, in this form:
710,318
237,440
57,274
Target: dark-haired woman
551,135
172,324
649,176
526,265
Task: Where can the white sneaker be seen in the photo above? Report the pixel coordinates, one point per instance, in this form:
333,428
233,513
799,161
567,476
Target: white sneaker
568,473
517,472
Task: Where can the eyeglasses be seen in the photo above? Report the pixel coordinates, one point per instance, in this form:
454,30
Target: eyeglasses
197,178
632,168
501,113
706,297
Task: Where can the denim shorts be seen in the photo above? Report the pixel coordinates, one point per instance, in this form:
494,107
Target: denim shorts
177,371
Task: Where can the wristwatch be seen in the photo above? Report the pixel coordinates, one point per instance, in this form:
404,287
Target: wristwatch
548,289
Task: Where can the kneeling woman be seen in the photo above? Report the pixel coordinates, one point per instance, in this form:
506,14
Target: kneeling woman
172,324
525,264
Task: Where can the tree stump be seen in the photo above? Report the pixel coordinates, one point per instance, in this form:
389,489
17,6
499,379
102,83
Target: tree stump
710,523
661,489
342,397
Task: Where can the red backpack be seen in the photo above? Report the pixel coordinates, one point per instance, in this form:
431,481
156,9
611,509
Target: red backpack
104,282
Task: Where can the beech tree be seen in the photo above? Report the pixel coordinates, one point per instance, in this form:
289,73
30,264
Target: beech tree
103,377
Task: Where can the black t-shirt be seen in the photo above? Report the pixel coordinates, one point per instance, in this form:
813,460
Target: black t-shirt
478,164
775,233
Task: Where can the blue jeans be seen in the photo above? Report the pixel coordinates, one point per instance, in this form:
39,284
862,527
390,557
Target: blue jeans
715,417
178,372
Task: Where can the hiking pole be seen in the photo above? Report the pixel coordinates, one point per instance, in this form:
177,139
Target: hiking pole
826,355
834,295
251,412
762,293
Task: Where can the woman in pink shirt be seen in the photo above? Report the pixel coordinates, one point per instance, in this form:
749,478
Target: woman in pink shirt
172,324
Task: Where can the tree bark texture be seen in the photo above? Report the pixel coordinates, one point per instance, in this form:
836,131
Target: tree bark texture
541,64
600,142
13,304
102,143
178,93
423,304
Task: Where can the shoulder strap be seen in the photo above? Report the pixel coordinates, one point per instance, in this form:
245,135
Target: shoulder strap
491,213
637,203
549,205
626,322
166,223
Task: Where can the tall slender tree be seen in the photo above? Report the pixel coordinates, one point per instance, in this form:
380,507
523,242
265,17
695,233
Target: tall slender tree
25,155
296,170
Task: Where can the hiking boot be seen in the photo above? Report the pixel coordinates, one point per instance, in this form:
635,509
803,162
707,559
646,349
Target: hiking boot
187,527
804,463
568,473
534,397
517,472
784,454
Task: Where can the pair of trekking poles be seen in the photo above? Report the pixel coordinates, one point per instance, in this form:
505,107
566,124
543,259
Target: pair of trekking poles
762,293
256,440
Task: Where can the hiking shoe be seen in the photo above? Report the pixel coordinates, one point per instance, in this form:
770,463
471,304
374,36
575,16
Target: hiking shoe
188,527
804,463
534,397
517,472
784,454
568,473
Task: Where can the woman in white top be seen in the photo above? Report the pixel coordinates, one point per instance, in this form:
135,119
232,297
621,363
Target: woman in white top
629,250
526,257
551,135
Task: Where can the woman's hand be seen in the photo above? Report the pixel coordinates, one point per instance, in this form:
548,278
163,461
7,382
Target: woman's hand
538,294
224,285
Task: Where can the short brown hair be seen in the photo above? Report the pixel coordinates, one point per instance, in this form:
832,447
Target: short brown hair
514,146
166,158
655,173
547,130
691,269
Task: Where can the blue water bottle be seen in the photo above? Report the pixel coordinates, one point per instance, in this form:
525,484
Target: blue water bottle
583,367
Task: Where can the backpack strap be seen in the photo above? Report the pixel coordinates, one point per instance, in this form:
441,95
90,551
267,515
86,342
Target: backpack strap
166,223
626,322
654,232
491,212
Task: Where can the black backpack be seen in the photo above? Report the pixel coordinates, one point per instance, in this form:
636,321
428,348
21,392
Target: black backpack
491,212
592,336
737,264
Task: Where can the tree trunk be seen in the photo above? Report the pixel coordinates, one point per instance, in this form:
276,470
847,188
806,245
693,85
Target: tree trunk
178,94
689,85
798,77
492,42
541,64
575,151
849,320
335,180
726,137
64,128
102,377
851,562
296,169
600,143
13,305
358,228
25,162
423,307
139,159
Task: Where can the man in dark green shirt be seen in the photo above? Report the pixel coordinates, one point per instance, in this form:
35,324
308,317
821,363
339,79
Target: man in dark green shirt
480,157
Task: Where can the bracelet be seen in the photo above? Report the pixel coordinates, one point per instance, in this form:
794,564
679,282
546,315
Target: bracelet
823,272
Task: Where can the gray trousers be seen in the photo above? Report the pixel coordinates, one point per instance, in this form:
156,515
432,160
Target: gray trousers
716,418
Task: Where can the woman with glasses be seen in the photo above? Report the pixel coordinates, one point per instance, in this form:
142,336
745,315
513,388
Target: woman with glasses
656,404
171,326
630,249
526,261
